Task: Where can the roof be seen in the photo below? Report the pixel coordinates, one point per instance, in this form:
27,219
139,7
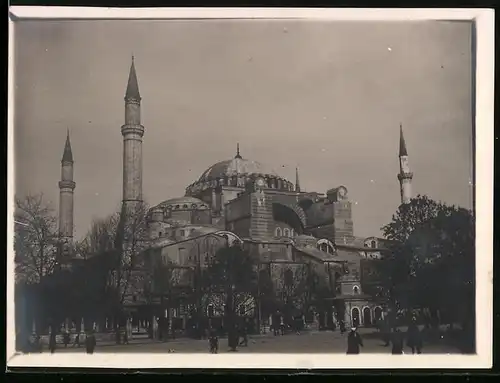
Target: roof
132,92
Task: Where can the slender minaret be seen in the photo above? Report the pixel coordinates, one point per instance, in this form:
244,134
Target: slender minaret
132,133
297,182
66,191
405,175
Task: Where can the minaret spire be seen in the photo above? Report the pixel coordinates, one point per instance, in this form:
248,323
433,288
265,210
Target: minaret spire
66,193
67,154
297,182
237,151
402,143
405,176
132,92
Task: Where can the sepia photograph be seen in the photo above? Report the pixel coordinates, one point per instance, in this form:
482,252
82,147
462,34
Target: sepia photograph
250,186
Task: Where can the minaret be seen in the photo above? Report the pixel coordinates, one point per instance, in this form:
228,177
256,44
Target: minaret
66,191
405,175
132,133
297,182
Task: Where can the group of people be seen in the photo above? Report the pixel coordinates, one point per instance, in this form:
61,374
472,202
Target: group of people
90,342
279,325
395,337
237,336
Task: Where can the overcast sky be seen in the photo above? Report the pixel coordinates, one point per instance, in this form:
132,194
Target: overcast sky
327,97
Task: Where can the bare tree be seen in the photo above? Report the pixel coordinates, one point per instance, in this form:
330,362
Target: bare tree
128,274
35,239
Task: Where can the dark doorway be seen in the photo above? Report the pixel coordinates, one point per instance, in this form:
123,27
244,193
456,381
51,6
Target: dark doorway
367,317
355,317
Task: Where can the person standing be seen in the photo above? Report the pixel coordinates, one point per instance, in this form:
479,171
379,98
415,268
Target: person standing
90,342
386,332
414,337
397,342
213,341
77,340
66,338
52,342
354,342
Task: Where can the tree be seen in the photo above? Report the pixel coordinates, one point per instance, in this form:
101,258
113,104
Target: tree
431,261
232,273
35,239
295,288
127,277
113,250
408,216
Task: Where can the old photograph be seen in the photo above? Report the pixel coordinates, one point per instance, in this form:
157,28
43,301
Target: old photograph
244,186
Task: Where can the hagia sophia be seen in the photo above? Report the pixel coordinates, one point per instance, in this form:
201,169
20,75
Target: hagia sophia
280,225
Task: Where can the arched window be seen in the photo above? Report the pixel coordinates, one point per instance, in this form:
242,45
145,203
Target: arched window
159,234
286,232
355,290
210,310
277,232
292,233
374,244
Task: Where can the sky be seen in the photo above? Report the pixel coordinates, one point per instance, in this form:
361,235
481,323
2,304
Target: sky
324,96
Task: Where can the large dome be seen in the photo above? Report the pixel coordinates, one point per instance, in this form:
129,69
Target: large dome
233,167
235,173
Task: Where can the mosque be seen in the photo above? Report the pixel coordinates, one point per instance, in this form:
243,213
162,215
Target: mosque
282,226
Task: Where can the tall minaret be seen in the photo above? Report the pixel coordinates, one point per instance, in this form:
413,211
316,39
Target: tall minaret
132,133
66,190
297,182
405,175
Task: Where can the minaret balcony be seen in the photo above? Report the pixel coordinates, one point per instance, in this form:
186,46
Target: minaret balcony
405,176
67,184
133,129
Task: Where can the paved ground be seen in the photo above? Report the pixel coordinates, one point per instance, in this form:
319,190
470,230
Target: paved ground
312,342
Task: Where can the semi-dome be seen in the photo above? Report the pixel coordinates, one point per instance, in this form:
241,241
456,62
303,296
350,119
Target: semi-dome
182,203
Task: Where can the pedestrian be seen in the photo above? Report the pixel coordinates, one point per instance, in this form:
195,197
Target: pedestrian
125,337
354,342
275,323
342,327
90,342
52,342
282,325
397,341
213,341
414,337
244,334
66,339
77,340
386,332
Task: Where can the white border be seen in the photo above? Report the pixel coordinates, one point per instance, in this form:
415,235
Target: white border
484,198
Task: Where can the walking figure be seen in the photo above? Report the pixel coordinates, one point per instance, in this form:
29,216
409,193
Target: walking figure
414,337
66,339
90,343
77,340
354,342
213,342
125,337
244,334
52,342
397,342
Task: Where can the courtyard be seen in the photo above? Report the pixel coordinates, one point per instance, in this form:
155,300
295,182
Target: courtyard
308,342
